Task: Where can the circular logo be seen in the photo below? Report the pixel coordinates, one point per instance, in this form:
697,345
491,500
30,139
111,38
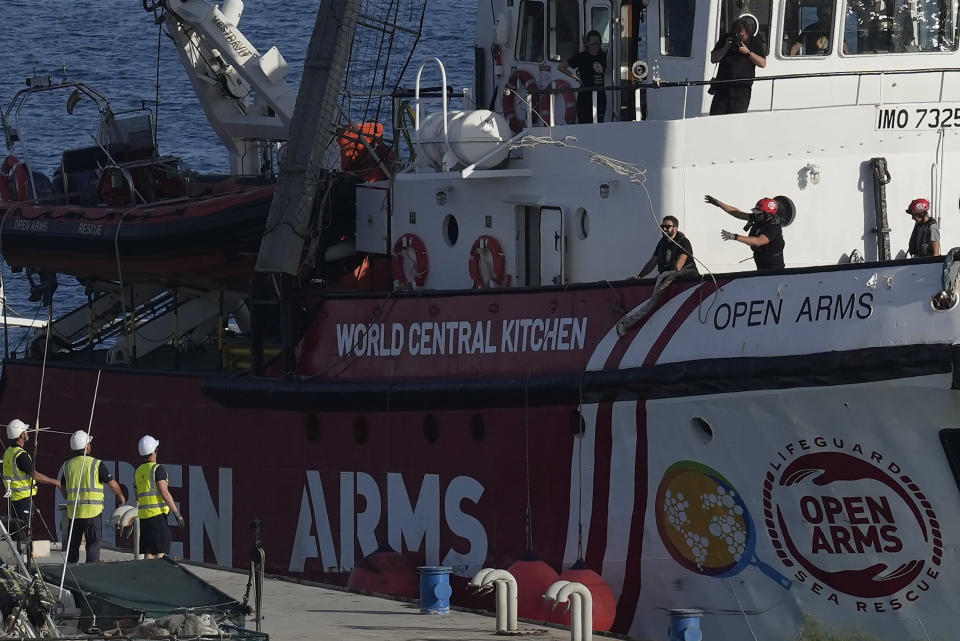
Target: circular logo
851,525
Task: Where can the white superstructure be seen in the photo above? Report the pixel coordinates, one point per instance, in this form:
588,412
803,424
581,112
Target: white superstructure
582,202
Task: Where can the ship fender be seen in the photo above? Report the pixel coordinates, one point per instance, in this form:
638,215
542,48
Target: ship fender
385,572
12,167
569,108
410,261
488,264
529,83
534,576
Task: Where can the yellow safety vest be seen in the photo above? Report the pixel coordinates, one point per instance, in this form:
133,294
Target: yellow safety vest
20,484
150,502
84,489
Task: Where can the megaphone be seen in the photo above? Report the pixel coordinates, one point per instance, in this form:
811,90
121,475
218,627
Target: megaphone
639,69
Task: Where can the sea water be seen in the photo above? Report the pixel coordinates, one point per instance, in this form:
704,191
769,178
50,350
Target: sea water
115,47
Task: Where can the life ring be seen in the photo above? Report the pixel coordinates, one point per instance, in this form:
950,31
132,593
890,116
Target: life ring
569,99
526,79
488,264
20,174
410,262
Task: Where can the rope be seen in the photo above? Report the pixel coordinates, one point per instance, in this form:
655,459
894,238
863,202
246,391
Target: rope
76,500
635,174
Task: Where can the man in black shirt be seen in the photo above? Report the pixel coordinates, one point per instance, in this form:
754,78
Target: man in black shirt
673,252
737,55
591,65
764,234
925,237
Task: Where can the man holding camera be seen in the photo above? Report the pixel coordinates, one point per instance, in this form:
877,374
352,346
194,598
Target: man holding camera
737,54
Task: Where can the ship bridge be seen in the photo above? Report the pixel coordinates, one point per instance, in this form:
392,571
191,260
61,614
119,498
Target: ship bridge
521,44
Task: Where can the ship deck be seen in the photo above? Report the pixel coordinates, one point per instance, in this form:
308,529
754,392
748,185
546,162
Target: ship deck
296,611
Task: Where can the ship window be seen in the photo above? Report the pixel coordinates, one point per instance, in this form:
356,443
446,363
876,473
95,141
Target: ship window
757,18
899,26
950,439
786,210
451,230
530,38
563,28
600,22
807,28
676,27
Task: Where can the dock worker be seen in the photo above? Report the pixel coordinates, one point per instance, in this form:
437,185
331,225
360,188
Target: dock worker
20,479
925,237
154,501
673,252
764,232
83,477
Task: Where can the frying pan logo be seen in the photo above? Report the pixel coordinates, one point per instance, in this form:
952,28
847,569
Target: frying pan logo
842,522
704,523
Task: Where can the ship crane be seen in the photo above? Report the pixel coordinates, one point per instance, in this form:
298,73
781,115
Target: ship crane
244,94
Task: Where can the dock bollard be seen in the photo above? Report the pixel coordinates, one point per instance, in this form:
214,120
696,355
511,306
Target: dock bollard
434,589
685,625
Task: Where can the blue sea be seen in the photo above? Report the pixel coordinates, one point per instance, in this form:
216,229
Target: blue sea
115,47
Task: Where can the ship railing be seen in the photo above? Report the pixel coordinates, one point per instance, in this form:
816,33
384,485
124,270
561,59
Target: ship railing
548,96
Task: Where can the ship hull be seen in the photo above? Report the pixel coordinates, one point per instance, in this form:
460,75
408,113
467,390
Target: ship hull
698,460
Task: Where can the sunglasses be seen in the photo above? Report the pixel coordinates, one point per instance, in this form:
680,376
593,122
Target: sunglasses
667,226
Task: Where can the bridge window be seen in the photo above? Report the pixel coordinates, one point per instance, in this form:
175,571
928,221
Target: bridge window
757,18
530,40
600,22
900,26
563,29
676,27
808,28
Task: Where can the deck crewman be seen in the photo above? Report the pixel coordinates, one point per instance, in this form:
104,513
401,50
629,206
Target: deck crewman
154,501
764,231
82,478
20,480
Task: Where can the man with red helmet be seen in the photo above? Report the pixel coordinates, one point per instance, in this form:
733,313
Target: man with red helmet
764,233
925,238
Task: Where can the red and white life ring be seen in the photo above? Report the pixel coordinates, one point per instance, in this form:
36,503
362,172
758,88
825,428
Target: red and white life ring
488,265
569,99
20,174
410,262
526,79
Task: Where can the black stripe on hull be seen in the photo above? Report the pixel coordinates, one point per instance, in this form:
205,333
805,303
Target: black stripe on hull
691,378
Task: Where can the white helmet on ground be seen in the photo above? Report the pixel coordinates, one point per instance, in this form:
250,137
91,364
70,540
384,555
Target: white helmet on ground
79,440
15,428
148,445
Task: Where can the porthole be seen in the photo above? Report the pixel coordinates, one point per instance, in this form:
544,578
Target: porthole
786,210
451,230
313,428
478,429
583,217
431,429
702,429
361,432
578,425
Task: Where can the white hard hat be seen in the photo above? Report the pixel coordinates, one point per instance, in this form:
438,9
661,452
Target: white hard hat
79,440
15,428
148,445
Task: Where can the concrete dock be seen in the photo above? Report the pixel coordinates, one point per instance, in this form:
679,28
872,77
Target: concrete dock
298,612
